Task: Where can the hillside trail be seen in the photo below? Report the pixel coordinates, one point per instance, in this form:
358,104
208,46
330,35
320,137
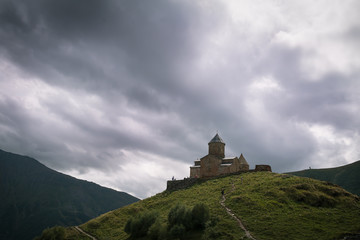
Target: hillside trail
85,233
228,210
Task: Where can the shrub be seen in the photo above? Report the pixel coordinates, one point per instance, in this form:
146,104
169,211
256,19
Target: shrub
194,218
200,215
178,231
157,231
139,226
180,215
180,220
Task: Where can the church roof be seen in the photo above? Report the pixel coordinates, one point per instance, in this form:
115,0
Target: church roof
243,160
217,138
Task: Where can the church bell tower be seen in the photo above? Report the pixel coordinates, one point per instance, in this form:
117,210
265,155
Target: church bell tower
217,147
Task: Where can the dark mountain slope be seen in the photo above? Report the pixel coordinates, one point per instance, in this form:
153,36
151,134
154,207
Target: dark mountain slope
347,176
34,197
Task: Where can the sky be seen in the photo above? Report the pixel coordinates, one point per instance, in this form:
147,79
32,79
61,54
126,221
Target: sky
128,93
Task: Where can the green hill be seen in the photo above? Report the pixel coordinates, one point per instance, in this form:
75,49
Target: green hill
347,176
34,197
270,206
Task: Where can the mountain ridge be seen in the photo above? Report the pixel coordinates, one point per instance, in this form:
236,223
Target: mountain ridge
36,197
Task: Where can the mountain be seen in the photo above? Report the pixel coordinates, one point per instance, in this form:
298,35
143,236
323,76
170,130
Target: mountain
269,205
34,197
347,176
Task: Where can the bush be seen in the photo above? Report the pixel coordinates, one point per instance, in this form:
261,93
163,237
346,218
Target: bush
180,220
139,226
180,215
190,219
200,215
176,215
54,233
157,231
178,231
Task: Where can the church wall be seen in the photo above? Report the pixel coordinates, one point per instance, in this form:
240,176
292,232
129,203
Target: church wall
195,172
224,170
238,166
209,166
235,165
244,167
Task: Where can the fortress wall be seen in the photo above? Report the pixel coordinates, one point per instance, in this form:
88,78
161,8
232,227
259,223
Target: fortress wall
181,184
188,182
263,168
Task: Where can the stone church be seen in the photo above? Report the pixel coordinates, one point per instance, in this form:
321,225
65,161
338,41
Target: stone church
215,163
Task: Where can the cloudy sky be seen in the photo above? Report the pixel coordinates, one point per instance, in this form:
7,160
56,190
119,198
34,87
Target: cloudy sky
128,93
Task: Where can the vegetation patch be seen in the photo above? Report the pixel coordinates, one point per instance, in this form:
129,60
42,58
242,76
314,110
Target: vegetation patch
289,207
180,222
139,226
61,233
345,176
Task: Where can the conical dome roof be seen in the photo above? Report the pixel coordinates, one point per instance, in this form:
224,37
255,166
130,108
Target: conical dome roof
217,138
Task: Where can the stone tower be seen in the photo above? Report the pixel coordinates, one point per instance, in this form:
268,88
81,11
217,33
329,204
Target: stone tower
217,147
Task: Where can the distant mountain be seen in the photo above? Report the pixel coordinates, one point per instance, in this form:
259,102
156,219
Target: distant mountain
347,176
34,197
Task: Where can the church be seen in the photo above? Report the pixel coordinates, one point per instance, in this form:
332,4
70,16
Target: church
215,163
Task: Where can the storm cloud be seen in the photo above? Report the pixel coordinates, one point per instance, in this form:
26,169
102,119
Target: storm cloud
129,93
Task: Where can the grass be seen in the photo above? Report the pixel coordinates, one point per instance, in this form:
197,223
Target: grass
345,176
111,225
271,206
275,206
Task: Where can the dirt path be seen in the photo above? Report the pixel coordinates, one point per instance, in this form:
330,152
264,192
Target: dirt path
228,210
81,231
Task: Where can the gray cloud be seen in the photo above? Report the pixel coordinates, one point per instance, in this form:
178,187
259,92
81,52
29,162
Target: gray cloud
133,91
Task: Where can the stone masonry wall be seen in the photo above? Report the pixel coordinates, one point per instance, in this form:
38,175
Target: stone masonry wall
181,184
175,185
263,168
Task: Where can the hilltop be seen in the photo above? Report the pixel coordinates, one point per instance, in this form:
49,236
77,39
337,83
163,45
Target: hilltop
346,176
270,206
34,197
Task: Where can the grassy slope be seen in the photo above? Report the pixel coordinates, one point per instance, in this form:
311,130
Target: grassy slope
346,176
272,206
111,225
276,206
